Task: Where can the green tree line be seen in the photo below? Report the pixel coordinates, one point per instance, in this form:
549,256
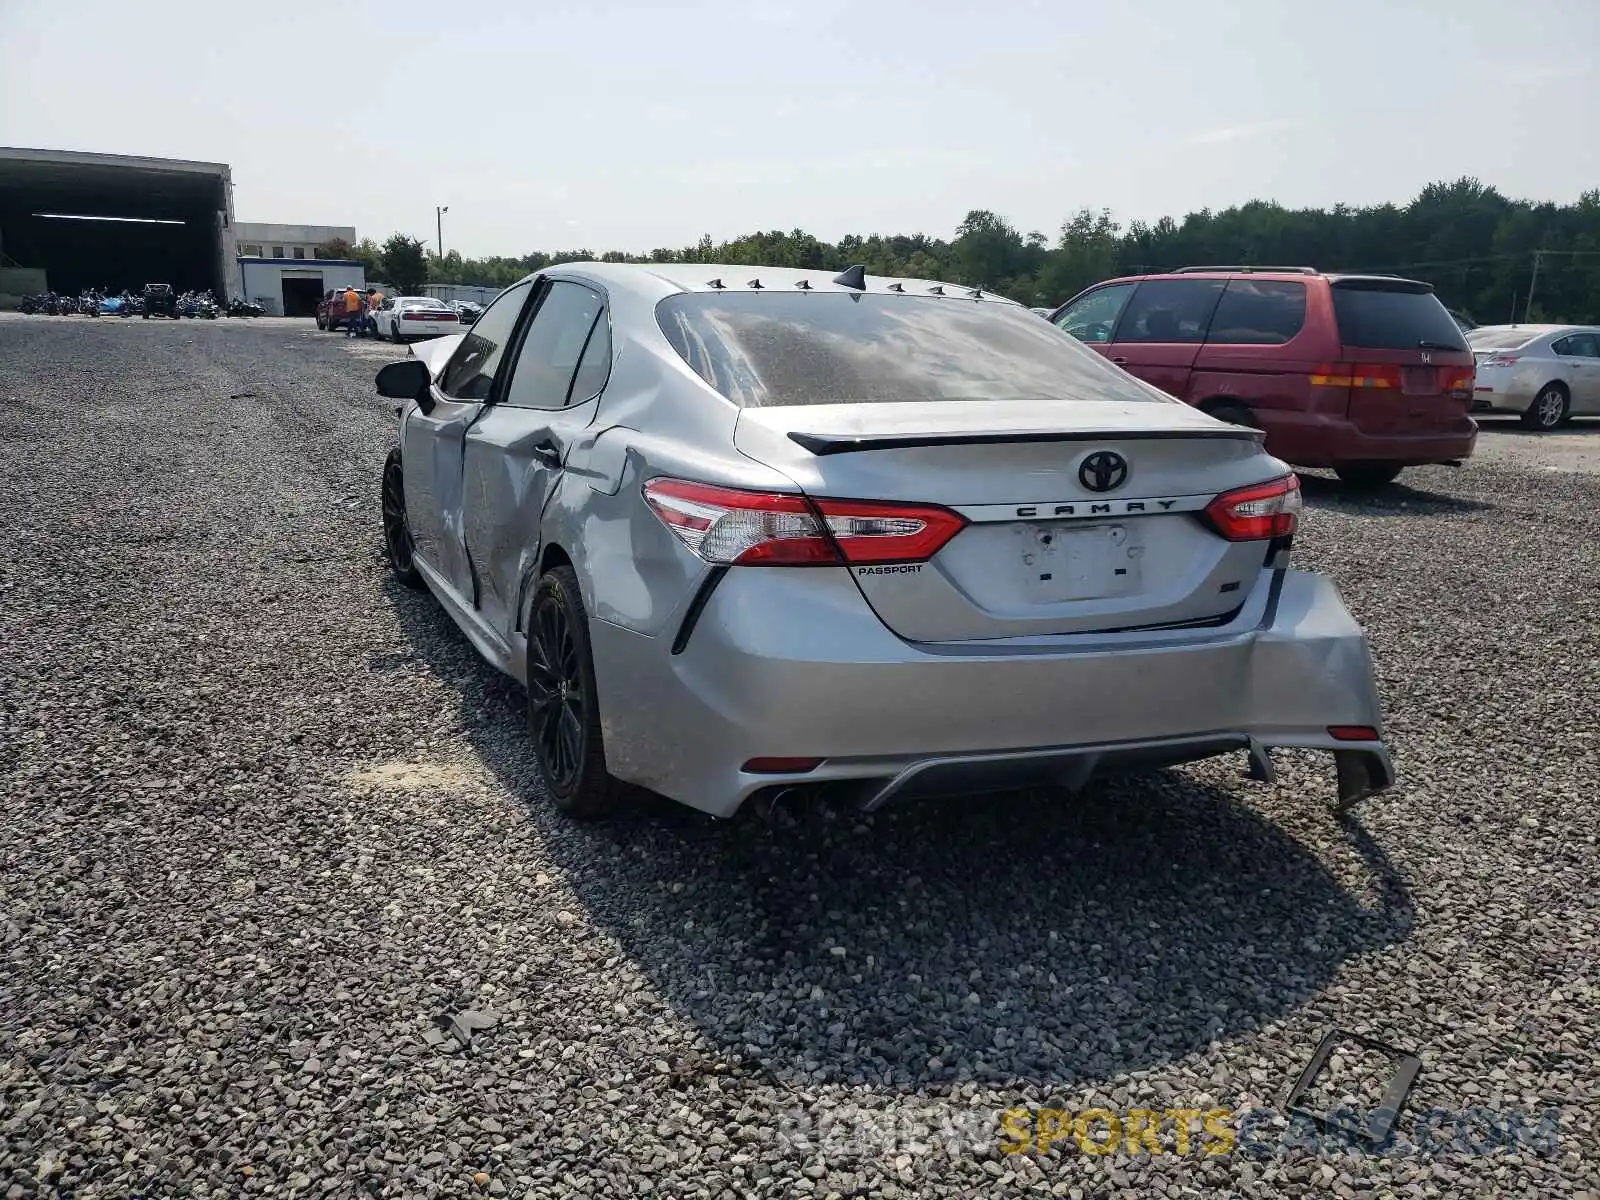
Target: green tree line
1482,251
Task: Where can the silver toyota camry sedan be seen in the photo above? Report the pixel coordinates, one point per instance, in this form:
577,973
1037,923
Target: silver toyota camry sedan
740,529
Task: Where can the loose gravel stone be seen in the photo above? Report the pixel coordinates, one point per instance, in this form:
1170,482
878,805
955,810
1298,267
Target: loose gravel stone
265,815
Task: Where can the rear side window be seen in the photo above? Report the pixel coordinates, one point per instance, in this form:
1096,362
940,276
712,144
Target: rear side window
782,348
1259,312
1378,318
1577,345
594,368
1170,310
561,333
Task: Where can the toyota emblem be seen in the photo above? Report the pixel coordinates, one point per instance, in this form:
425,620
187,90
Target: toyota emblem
1103,471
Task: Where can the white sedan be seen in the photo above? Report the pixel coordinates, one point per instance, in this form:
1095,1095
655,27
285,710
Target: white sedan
402,318
1545,374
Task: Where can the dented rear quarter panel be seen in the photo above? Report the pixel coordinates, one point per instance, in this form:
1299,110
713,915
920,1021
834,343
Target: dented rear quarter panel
655,417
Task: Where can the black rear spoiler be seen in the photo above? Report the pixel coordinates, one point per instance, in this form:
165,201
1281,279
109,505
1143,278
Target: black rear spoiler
829,443
1380,283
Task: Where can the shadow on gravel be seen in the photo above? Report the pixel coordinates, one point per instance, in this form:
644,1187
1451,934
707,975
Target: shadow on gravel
1007,940
1323,491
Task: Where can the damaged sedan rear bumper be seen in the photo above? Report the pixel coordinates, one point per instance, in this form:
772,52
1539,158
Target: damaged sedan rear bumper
794,670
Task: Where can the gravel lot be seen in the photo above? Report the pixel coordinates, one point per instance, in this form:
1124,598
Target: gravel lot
1576,447
265,816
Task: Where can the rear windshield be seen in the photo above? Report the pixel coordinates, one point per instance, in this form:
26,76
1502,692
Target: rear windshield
771,350
1383,319
1499,339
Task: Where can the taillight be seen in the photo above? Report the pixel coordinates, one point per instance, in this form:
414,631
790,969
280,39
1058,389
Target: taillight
780,529
1356,375
1262,510
1500,360
1459,383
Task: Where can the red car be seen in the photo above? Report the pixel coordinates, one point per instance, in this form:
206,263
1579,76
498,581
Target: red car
1366,374
331,312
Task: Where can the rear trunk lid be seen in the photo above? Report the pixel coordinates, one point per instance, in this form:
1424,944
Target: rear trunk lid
1044,552
1404,359
1498,354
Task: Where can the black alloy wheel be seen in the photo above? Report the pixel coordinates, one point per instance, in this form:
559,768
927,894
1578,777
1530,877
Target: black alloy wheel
556,697
397,541
563,715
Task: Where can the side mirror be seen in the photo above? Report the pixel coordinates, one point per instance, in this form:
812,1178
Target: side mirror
407,380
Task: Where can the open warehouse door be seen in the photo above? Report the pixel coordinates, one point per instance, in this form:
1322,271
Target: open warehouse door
114,221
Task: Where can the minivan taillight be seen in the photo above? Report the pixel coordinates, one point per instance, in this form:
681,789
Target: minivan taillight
780,529
1356,375
1257,512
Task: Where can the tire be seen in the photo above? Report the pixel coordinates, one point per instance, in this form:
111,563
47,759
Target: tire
394,333
1368,474
1550,408
322,326
563,712
144,316
397,544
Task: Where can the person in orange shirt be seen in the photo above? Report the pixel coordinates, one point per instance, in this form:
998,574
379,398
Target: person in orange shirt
354,313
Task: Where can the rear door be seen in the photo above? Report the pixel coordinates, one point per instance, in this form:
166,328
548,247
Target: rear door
1162,328
1408,364
515,451
1580,353
433,444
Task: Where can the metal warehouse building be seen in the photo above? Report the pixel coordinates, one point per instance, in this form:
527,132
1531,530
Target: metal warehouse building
71,220
170,220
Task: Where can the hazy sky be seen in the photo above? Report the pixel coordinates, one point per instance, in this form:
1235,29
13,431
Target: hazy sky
627,126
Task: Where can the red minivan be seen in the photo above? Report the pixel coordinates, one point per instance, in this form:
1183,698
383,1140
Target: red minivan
1367,374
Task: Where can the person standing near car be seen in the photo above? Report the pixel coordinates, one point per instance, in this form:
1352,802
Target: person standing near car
354,314
374,299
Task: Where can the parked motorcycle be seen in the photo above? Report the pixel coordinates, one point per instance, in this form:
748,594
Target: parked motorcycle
199,305
238,306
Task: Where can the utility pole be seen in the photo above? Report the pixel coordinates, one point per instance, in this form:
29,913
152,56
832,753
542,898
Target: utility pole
438,216
1527,312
